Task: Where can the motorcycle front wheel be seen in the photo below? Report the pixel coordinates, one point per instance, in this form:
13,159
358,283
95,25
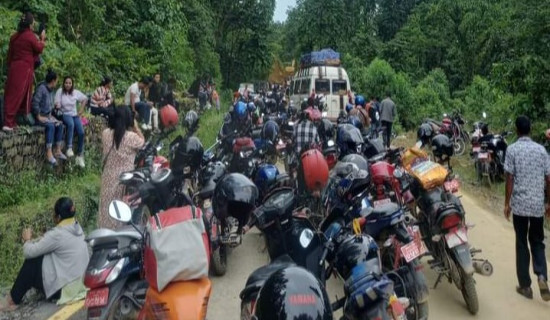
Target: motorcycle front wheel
219,260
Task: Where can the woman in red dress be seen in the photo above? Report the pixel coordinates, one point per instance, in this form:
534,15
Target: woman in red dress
24,50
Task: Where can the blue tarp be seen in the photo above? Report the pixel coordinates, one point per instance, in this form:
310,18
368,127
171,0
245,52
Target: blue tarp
325,57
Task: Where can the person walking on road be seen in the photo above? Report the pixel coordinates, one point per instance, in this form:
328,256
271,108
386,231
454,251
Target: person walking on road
527,166
388,113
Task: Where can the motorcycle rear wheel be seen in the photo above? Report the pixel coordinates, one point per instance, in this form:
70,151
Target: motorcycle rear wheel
123,309
219,261
469,292
460,146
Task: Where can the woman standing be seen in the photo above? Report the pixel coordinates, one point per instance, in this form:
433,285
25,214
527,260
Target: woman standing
23,51
121,142
66,99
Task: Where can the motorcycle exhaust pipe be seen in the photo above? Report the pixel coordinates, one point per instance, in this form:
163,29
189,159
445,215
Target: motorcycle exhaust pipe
483,267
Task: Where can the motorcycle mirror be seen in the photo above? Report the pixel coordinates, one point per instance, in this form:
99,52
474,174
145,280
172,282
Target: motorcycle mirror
305,238
484,115
120,211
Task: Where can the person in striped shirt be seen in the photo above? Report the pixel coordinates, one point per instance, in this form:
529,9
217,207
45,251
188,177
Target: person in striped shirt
102,101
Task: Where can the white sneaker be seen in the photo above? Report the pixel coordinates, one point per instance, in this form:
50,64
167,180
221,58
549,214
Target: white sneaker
70,153
149,127
144,126
80,161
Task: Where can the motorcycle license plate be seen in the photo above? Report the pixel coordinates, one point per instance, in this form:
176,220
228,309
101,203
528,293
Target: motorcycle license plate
452,186
382,202
97,297
483,155
476,149
410,251
458,237
207,203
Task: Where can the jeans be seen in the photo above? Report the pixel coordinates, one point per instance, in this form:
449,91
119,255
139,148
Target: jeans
53,130
144,112
30,276
387,132
74,123
529,230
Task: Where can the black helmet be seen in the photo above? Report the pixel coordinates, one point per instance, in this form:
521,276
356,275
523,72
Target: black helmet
354,250
187,156
235,195
358,160
191,121
326,129
270,132
292,293
349,139
442,146
210,176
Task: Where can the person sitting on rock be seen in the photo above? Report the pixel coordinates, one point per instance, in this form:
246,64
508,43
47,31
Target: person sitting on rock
55,263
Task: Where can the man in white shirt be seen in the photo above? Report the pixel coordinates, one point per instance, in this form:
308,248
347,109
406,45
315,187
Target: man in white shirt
143,109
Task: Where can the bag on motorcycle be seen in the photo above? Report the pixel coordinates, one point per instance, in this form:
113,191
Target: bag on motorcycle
430,174
413,156
176,247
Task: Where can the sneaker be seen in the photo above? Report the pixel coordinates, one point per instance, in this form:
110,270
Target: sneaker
156,131
70,153
149,127
61,156
544,291
526,292
80,161
7,129
144,126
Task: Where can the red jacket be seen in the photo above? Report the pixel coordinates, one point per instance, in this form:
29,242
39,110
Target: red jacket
24,47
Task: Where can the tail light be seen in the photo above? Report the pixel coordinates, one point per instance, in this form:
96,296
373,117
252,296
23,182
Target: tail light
96,278
450,221
331,160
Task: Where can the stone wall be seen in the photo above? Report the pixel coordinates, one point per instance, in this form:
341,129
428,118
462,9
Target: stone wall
25,148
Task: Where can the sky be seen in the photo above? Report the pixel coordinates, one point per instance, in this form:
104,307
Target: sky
281,8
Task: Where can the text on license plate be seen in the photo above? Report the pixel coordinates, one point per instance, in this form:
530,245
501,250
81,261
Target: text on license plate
452,186
410,251
458,237
382,202
483,155
97,297
476,149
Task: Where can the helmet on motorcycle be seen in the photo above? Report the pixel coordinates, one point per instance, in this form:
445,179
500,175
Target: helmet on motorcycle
442,146
358,160
266,177
235,195
360,101
191,121
169,116
313,171
292,293
355,250
270,131
251,107
187,156
313,114
240,110
349,107
349,140
209,177
326,129
354,120
484,129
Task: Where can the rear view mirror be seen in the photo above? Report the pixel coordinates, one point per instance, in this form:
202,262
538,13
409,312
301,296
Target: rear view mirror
120,211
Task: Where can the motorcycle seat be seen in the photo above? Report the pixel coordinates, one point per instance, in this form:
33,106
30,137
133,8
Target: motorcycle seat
384,210
124,231
257,279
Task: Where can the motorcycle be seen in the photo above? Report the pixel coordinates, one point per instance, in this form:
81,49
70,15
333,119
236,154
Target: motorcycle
179,300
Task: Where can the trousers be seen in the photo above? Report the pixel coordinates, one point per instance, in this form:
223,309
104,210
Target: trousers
529,233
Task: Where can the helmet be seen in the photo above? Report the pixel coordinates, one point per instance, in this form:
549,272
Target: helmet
360,101
358,160
210,176
240,110
189,153
235,195
349,107
169,116
485,129
354,120
270,131
442,146
313,170
326,129
191,120
355,250
292,293
349,139
313,114
266,176
304,105
251,107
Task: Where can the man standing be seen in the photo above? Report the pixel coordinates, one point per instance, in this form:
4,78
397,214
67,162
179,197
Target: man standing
387,115
133,100
527,167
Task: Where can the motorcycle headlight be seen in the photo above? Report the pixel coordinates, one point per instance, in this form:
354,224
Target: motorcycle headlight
291,123
330,143
115,272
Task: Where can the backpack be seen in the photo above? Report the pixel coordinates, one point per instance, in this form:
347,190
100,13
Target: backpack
177,247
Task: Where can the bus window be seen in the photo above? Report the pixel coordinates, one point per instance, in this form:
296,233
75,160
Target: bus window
322,86
339,87
304,87
296,86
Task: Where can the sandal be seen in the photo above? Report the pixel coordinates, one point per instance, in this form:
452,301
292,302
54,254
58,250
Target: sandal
526,292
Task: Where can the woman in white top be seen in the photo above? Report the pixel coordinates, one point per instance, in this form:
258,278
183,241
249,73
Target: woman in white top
67,99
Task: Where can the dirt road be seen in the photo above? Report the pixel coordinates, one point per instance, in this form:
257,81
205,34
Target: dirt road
497,296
